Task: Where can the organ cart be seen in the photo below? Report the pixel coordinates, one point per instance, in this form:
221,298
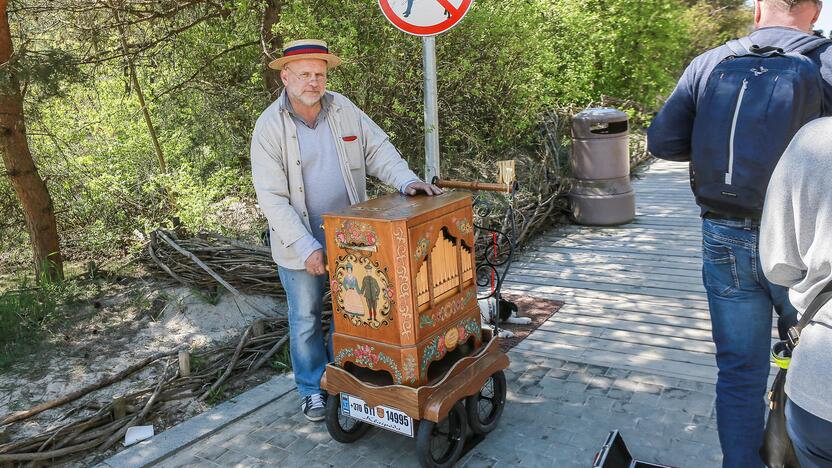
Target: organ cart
410,354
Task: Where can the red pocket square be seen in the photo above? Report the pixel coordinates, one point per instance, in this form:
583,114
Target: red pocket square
350,138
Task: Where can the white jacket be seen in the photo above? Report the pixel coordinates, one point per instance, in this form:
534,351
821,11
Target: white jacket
276,168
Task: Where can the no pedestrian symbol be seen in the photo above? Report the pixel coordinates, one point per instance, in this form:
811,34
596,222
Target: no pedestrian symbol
424,17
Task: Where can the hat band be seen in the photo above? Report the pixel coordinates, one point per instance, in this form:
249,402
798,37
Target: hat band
305,49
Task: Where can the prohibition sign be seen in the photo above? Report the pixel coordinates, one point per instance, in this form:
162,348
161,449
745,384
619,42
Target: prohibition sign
424,17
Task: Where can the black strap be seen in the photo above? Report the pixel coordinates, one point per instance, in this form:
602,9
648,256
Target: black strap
820,300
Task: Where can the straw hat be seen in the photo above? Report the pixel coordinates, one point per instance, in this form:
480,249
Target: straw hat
306,49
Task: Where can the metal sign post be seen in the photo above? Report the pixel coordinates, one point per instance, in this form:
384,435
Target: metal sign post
431,111
427,19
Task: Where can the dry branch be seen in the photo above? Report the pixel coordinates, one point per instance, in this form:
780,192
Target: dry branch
109,380
268,355
234,359
139,417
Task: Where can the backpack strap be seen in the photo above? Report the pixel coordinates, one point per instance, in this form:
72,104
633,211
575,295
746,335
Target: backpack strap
821,299
745,46
810,46
737,47
746,43
804,50
741,46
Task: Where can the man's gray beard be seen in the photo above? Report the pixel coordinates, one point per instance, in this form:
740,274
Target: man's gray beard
306,100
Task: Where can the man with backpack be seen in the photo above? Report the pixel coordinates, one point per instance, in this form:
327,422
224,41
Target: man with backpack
732,114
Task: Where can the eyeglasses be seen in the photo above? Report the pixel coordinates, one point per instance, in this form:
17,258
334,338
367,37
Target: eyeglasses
307,77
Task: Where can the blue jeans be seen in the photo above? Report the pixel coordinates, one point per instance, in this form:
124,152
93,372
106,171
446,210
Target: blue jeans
740,300
308,346
811,437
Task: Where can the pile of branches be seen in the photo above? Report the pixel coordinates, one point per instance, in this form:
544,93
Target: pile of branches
208,260
108,422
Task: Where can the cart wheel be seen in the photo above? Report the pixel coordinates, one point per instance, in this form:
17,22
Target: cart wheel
485,407
342,428
440,445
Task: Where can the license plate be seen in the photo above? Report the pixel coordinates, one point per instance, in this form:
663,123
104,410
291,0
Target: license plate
381,416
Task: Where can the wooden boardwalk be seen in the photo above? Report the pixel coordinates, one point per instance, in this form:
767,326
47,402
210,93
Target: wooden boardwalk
633,294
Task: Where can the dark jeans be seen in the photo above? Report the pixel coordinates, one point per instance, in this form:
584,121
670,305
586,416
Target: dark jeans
811,436
740,300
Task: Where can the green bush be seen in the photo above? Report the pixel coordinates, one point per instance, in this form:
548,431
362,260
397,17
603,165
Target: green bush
507,62
27,312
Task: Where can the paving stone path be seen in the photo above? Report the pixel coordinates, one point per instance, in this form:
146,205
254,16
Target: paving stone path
557,415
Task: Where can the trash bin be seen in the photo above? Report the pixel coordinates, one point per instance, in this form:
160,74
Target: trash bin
601,194
603,202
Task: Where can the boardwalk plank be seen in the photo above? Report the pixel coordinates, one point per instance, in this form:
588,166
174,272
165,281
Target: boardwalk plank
665,247
603,317
624,234
623,253
632,303
571,294
629,278
595,345
601,267
640,323
544,284
612,261
686,371
566,315
627,336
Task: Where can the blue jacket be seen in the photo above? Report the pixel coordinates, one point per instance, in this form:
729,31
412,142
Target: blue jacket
669,136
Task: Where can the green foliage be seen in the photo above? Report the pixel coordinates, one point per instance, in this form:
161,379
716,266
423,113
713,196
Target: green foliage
282,361
198,363
500,69
714,22
200,69
47,70
628,49
209,297
217,395
27,312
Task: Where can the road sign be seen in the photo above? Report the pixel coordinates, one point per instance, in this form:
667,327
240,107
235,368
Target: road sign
424,17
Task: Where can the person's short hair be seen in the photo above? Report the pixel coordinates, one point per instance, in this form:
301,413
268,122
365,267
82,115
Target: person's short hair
789,4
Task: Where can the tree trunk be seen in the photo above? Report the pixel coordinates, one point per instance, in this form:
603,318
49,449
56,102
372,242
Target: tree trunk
30,188
272,47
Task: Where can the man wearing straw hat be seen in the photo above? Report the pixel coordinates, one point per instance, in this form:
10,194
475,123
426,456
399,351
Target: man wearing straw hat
311,152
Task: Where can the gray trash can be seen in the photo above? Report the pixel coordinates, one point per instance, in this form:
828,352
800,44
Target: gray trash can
601,194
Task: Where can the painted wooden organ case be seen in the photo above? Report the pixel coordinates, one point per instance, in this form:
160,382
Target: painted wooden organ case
403,280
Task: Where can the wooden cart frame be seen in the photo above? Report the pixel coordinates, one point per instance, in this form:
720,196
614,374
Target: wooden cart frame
430,402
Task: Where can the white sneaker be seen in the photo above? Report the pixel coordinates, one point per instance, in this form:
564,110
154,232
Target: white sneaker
314,407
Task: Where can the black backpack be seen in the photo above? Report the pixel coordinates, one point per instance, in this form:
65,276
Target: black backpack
753,104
